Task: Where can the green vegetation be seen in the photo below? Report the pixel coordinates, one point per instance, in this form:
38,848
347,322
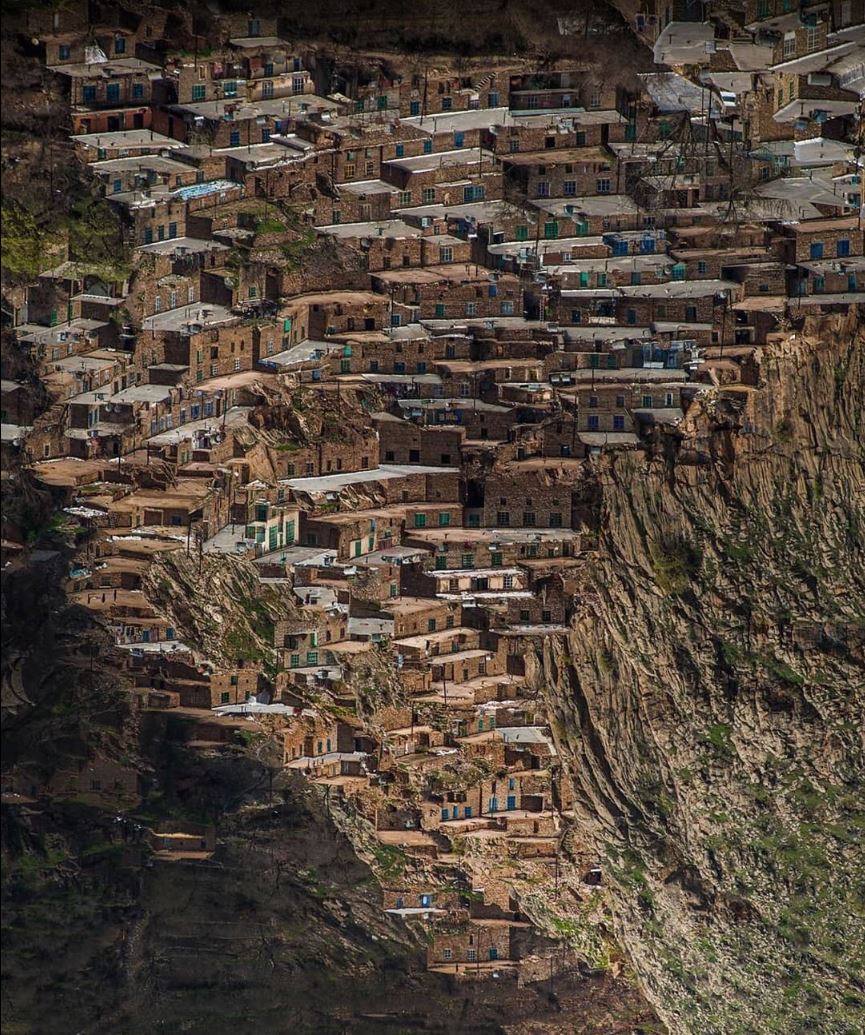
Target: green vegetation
23,243
390,862
675,562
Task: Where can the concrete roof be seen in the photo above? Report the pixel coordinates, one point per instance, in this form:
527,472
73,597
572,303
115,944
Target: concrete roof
106,69
388,228
446,122
124,138
335,482
207,315
673,93
442,159
678,289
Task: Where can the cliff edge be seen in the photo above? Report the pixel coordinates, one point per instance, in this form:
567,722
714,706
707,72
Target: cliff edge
709,697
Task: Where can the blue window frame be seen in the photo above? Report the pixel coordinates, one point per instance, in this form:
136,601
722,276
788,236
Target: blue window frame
234,138
816,250
414,107
594,422
112,92
843,249
119,45
427,147
88,94
137,91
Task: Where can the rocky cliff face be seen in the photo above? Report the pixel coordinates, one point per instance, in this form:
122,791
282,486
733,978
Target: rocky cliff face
709,697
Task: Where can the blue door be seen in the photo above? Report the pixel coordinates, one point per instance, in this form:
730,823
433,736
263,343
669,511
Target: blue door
816,249
468,812
445,815
494,804
512,801
494,952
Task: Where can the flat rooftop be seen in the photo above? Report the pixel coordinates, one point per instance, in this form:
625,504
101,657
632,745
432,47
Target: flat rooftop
335,482
442,159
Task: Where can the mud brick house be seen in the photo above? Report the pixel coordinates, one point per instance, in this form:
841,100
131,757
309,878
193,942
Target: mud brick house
535,91
413,616
381,353
153,214
303,643
451,130
361,201
331,455
828,277
314,738
319,315
443,292
563,173
385,245
218,351
434,91
357,153
816,239
232,122
466,946
425,900
106,96
140,172
447,177
482,420
271,526
527,497
680,302
353,535
404,442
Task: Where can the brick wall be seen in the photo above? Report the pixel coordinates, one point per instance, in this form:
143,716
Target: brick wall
525,500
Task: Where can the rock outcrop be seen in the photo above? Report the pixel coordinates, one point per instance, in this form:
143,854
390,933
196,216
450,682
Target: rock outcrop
709,697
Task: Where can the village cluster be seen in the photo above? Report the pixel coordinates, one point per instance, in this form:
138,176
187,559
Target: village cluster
376,330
